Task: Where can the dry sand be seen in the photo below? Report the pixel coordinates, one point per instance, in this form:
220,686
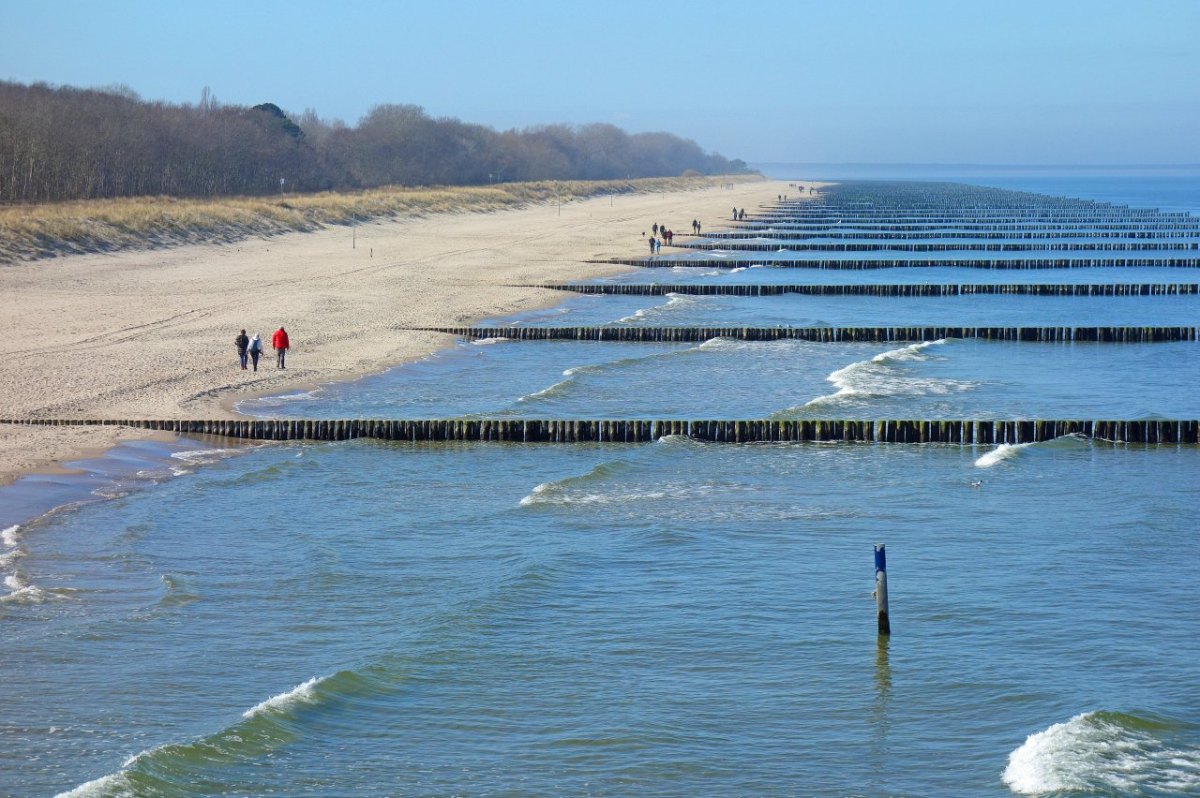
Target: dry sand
150,334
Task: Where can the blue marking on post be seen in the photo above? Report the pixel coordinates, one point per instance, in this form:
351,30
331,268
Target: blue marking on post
880,558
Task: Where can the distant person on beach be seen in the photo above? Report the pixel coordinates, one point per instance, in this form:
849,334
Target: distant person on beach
670,236
281,344
242,342
735,214
651,245
697,227
255,349
654,229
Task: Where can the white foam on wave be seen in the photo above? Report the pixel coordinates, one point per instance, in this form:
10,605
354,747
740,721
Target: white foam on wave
1004,451
269,401
9,535
203,456
549,390
21,592
549,493
720,343
488,341
1095,752
114,785
738,269
118,785
877,377
910,352
637,315
304,693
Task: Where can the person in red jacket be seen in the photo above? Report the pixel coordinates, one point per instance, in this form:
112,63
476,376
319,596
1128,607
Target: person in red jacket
281,343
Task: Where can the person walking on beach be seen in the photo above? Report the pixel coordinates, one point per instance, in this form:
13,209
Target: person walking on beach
652,242
654,229
255,349
281,345
242,342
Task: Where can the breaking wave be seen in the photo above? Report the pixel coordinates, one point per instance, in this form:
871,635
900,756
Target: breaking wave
1004,451
880,377
1104,752
262,729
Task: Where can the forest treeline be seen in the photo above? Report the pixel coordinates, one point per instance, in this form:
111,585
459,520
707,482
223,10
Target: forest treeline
64,143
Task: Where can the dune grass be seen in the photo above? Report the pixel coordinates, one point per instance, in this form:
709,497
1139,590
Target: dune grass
31,232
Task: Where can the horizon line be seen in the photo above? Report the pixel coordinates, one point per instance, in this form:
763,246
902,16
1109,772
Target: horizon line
983,165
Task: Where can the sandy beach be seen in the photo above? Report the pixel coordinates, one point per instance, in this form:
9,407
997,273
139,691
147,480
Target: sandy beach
149,334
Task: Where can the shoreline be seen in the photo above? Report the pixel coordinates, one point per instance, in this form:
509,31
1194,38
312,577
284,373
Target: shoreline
463,286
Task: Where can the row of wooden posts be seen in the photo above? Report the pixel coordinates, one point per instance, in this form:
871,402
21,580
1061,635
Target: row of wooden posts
939,215
743,245
878,289
751,225
713,262
964,432
875,235
828,334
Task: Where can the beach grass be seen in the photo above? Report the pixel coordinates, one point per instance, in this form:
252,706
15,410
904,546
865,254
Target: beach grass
35,231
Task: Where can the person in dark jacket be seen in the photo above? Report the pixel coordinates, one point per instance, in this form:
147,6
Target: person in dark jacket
281,344
242,342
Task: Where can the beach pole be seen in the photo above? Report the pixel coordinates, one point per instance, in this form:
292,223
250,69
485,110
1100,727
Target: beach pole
881,594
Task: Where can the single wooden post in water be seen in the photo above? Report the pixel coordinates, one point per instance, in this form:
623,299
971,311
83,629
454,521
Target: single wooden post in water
881,596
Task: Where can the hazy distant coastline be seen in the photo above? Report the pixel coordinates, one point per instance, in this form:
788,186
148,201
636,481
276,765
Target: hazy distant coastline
943,171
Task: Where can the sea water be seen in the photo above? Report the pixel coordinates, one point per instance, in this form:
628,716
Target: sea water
674,618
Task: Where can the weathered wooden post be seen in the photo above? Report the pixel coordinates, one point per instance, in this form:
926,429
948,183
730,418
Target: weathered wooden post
881,595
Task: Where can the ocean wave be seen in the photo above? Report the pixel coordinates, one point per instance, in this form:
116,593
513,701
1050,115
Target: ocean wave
261,730
910,352
552,390
114,785
1103,752
9,535
304,693
674,303
1004,451
622,363
203,456
279,399
20,591
879,377
548,492
489,341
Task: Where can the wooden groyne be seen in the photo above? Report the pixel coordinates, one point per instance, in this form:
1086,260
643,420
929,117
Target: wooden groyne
899,263
890,289
744,245
963,432
1189,228
1121,335
920,235
846,214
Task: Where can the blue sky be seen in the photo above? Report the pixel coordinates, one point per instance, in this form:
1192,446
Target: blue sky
1050,82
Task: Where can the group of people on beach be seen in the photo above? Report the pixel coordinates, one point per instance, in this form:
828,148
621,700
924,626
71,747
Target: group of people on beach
739,214
660,233
251,349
